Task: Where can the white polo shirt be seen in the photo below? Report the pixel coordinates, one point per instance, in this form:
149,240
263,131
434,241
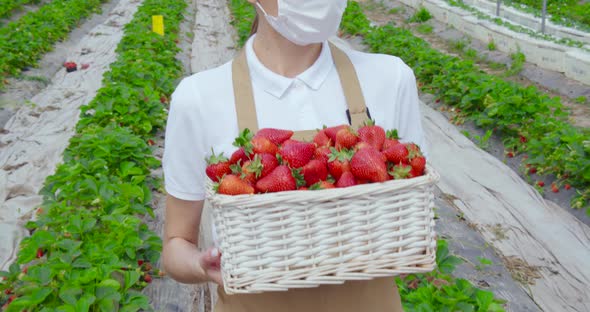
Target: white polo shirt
203,116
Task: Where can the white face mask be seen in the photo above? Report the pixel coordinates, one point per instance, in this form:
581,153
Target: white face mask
305,22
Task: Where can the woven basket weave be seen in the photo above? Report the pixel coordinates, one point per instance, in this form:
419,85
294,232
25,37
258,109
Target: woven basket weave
296,239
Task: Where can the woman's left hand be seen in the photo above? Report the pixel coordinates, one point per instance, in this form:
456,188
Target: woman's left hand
210,262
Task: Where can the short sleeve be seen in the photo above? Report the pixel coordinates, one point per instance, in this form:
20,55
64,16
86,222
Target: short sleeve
183,161
409,118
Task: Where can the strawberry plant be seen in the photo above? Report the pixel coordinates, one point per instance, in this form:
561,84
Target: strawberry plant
552,144
9,6
25,40
89,249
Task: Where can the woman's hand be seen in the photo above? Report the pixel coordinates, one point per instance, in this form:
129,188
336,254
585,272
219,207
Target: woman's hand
210,262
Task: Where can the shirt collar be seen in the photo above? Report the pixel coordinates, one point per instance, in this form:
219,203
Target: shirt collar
276,84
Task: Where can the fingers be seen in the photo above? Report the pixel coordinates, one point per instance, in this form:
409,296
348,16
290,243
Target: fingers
211,259
216,277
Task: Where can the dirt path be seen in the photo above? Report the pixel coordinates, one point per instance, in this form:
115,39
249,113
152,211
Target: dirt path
443,38
33,139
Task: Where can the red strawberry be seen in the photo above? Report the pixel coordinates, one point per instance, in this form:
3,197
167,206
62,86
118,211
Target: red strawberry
85,66
332,131
510,154
25,270
368,164
372,134
533,170
361,145
554,188
269,163
401,171
314,171
321,139
418,163
279,180
249,171
231,184
290,141
339,162
391,139
323,154
523,139
39,253
567,187
238,156
541,183
150,142
345,138
276,136
263,145
8,291
11,299
217,166
297,154
163,99
347,179
303,188
139,262
322,185
397,153
70,66
147,278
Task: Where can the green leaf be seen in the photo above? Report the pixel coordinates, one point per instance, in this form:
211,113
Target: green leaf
69,294
39,295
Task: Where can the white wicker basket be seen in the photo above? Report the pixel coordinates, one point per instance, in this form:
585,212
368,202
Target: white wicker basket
296,239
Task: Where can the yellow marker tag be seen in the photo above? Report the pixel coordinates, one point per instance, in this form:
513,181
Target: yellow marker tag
158,24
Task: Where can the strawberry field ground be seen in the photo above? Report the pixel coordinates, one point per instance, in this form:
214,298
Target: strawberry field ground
516,245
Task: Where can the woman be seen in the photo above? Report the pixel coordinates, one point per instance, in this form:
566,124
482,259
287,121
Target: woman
287,77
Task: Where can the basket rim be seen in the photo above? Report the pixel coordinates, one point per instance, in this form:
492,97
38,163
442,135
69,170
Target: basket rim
431,176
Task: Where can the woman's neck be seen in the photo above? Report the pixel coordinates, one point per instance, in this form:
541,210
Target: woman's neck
281,55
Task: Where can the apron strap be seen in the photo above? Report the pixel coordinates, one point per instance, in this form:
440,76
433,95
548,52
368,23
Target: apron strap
244,96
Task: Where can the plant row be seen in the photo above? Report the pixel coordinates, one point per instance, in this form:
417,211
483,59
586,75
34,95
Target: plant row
25,40
435,291
571,13
89,249
517,28
530,122
8,6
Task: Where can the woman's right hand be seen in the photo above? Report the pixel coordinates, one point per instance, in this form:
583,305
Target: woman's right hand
210,262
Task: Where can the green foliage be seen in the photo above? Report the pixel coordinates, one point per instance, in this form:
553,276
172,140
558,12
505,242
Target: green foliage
491,45
84,251
553,145
243,14
518,60
421,16
25,40
424,29
439,291
571,13
9,6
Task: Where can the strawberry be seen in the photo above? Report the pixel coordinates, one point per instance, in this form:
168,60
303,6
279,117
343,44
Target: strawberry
248,172
347,179
322,185
323,154
70,66
11,298
147,278
139,262
263,145
150,142
269,163
390,140
147,267
290,141
332,131
397,153
372,134
321,139
239,156
361,145
163,99
510,154
345,138
541,183
39,253
523,139
217,166
276,136
279,180
231,184
303,188
418,163
554,188
368,164
85,66
532,170
297,154
314,171
8,291
401,171
339,162
567,187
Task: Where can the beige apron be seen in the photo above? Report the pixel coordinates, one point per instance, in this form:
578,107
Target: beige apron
378,295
